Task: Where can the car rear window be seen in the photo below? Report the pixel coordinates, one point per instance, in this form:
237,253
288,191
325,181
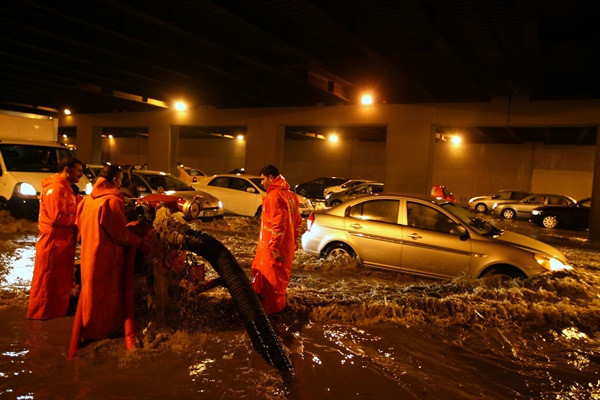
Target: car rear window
375,210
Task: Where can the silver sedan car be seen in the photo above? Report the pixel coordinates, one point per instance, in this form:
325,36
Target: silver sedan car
523,208
424,236
483,204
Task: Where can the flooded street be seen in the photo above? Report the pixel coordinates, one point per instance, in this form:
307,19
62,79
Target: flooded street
350,333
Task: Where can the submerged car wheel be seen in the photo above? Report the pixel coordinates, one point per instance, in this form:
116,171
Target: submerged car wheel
504,272
338,250
550,221
481,208
508,213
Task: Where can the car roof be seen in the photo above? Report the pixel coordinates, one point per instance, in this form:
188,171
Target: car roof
235,176
148,172
33,143
396,195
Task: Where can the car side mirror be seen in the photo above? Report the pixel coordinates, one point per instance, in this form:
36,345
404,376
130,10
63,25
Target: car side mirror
460,231
250,190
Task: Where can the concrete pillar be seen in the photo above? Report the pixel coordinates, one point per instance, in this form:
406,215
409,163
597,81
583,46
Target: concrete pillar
408,157
163,140
264,145
594,232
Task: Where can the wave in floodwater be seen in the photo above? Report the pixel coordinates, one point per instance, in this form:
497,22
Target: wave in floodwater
350,332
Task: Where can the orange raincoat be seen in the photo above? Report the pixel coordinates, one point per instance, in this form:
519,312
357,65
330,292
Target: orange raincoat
102,223
54,250
279,230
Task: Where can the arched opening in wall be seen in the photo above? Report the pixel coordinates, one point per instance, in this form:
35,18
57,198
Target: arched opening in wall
67,135
558,160
212,149
348,151
125,145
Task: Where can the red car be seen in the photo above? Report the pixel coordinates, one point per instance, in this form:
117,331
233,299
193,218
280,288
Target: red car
441,193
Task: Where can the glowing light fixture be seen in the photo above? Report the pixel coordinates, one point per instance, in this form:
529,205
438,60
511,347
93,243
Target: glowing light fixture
67,111
240,137
65,135
366,99
456,139
110,136
180,106
333,138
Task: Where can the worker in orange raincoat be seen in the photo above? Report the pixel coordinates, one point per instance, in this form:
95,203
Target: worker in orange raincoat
55,249
277,241
104,235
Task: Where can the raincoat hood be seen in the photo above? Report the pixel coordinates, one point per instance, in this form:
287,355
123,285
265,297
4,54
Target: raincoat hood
278,183
105,188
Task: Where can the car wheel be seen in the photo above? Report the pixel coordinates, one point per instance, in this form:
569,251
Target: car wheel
339,250
503,273
481,208
508,213
550,221
258,212
302,192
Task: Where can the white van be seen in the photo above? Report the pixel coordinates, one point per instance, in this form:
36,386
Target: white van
23,164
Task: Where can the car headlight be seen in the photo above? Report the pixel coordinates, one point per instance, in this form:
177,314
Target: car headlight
25,189
536,212
550,263
220,204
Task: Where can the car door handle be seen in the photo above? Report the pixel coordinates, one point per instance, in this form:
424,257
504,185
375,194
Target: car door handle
356,226
414,236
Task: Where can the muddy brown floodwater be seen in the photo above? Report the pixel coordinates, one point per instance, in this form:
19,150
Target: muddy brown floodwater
350,332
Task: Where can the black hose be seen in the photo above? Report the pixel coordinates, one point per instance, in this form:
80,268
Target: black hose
261,333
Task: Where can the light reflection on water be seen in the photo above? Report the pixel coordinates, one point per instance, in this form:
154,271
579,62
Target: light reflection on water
350,333
19,266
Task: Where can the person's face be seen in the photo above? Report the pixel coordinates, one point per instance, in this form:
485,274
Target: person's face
265,181
117,180
74,174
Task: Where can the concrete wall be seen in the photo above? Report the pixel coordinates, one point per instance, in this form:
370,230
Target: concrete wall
470,169
132,151
212,156
308,159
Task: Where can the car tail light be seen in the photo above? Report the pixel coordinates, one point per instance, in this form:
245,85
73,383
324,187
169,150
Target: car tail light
310,221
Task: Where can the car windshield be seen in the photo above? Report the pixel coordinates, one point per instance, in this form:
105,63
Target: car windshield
480,225
30,158
256,181
167,182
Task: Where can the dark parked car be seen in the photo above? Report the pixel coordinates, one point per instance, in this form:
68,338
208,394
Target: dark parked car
575,216
333,199
314,189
